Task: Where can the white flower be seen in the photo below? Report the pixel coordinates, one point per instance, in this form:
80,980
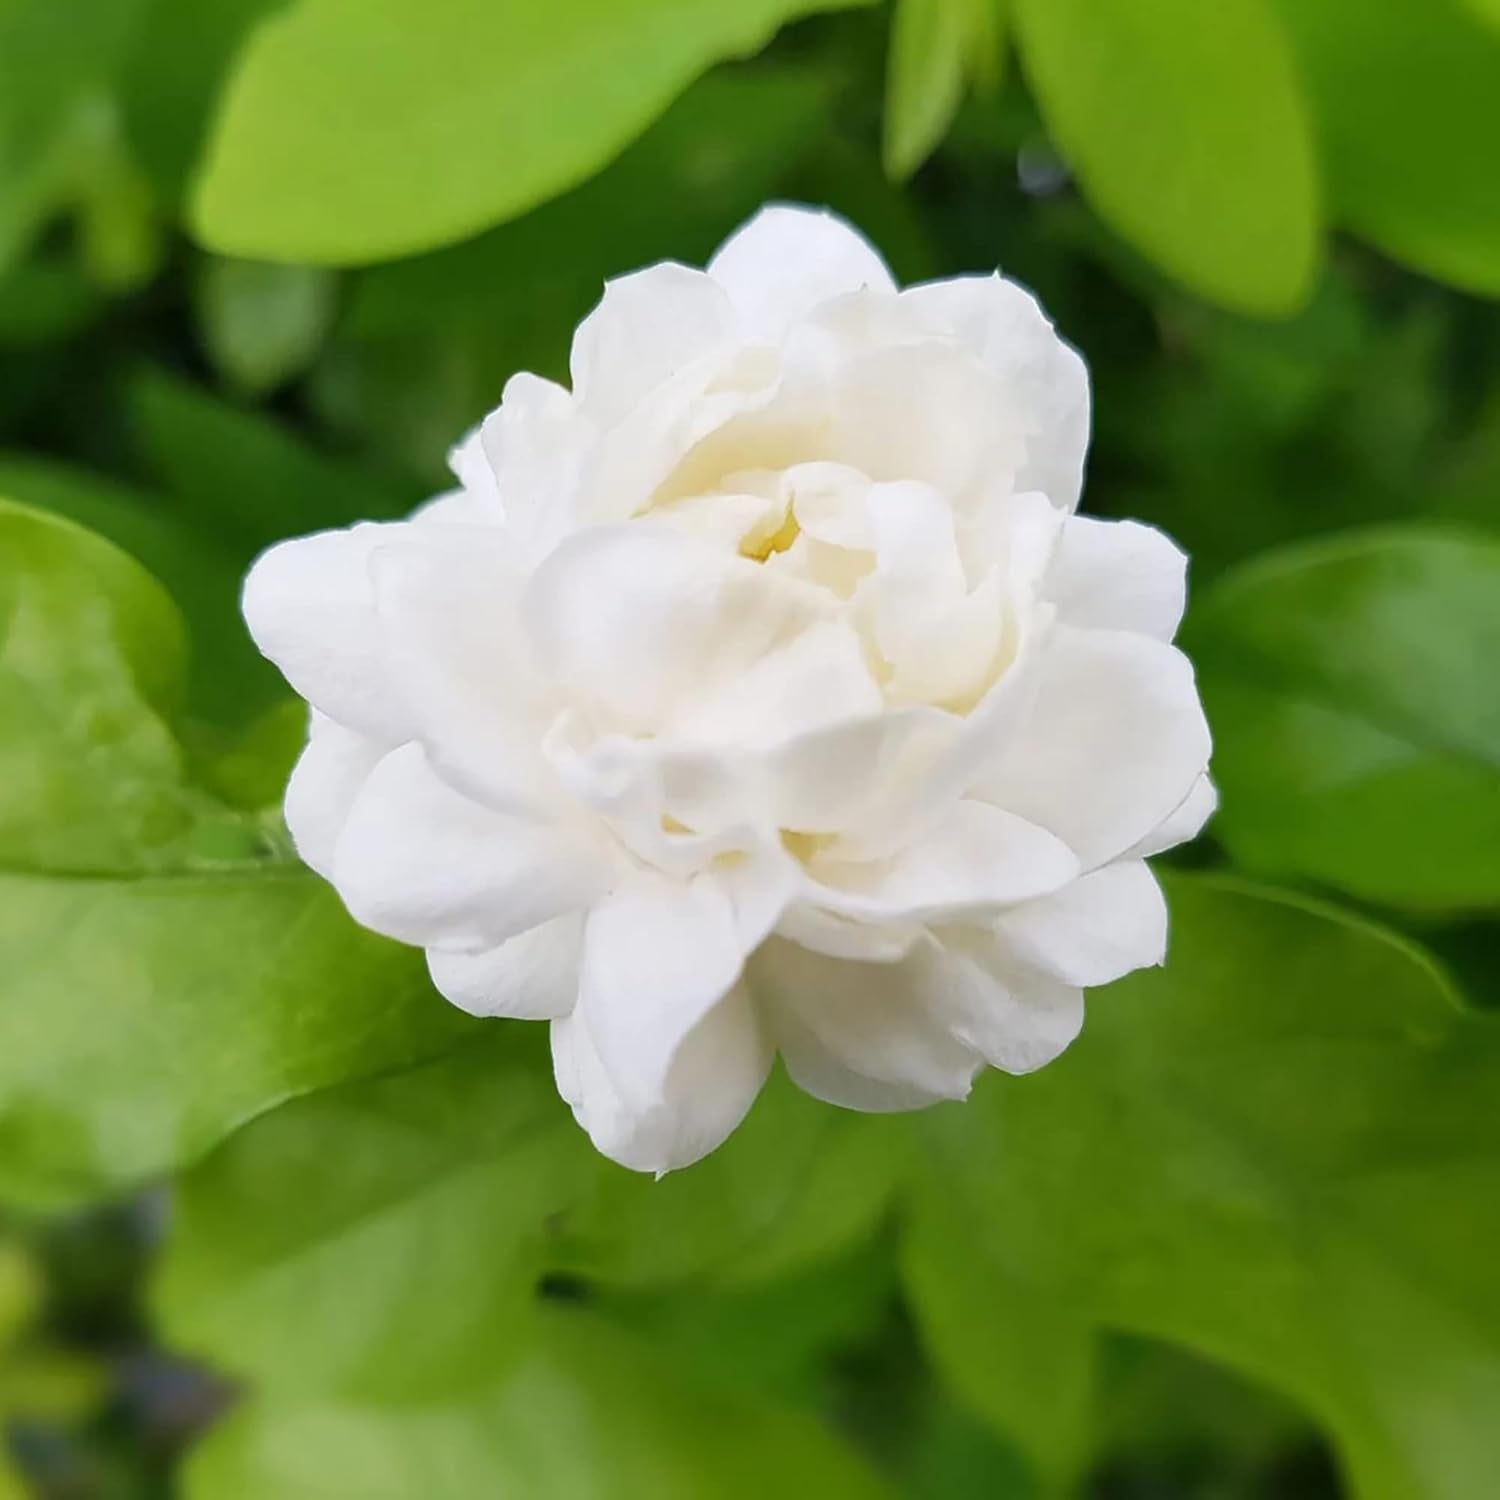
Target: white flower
761,694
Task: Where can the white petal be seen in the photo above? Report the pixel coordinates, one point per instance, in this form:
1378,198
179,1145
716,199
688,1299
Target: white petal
1043,382
538,446
1118,575
786,260
421,863
1017,1018
976,857
310,606
634,619
447,600
1183,823
1113,742
863,1035
928,411
939,640
471,464
816,678
324,783
649,327
532,976
1095,930
711,1082
658,954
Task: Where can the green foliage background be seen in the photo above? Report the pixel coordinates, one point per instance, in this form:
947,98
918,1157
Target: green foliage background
277,1224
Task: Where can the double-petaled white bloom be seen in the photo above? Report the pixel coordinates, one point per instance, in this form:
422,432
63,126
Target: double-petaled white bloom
761,694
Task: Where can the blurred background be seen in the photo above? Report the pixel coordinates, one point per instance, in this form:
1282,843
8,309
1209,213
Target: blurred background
262,263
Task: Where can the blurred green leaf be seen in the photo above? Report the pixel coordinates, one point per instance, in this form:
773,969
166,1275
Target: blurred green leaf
1350,683
1261,1152
91,654
172,77
263,323
358,130
1407,95
936,46
242,474
20,1294
424,1199
588,1414
1015,1355
143,1019
1186,128
228,679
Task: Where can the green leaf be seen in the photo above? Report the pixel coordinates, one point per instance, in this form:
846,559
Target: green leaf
936,47
263,323
244,475
1185,126
1350,683
91,657
588,1414
1280,1150
426,1199
358,130
1021,1359
1407,95
143,1019
228,679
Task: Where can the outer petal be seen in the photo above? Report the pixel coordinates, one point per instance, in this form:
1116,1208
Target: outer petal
1112,744
310,605
1184,823
423,864
1044,381
1094,931
471,464
324,783
709,1086
786,260
1017,1018
649,327
447,602
531,977
864,1035
658,955
1118,575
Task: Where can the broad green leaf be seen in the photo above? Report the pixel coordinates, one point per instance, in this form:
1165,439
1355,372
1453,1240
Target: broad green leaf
228,679
588,1414
1407,97
435,1199
143,1019
936,47
1185,126
1281,1150
359,130
91,656
263,323
382,1240
1351,686
1020,1358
